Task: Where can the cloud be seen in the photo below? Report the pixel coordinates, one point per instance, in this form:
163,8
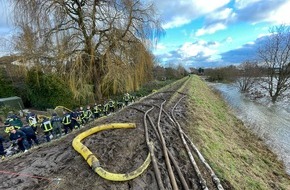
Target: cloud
241,4
210,29
176,22
198,48
246,52
204,54
254,11
191,54
178,13
251,11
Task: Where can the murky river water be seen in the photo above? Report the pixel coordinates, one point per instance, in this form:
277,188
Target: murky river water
271,123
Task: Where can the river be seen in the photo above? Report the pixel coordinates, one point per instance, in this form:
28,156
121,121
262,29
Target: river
271,123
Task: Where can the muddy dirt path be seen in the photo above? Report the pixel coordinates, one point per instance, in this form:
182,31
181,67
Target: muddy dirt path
57,165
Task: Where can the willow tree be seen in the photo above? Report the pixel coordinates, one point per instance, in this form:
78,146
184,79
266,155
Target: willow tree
92,37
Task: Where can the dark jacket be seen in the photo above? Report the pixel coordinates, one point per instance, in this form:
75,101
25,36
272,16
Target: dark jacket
20,135
28,130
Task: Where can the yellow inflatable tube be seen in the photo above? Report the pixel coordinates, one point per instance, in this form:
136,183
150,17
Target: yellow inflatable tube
94,162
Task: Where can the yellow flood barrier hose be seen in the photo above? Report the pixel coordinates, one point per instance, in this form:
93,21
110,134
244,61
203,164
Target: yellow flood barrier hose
62,107
94,163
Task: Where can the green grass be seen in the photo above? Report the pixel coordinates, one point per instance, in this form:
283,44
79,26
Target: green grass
239,158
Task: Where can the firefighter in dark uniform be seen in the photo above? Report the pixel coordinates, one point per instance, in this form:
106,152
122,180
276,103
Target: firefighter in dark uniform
100,110
106,109
18,137
32,120
66,121
30,135
14,120
96,111
75,120
47,129
56,123
82,115
111,105
88,114
126,98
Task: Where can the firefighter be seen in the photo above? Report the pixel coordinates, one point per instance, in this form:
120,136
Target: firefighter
32,120
57,125
100,110
30,135
47,129
106,109
82,115
8,128
66,121
75,120
96,111
120,104
88,114
111,104
13,120
18,137
126,98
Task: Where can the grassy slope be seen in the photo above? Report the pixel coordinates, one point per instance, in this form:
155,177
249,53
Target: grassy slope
238,157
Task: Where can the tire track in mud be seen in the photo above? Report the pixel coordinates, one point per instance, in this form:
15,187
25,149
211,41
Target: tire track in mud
120,151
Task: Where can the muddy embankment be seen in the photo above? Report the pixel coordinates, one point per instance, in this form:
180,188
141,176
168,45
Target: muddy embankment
239,159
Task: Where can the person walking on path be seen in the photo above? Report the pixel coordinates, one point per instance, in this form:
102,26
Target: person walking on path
47,129
66,121
57,125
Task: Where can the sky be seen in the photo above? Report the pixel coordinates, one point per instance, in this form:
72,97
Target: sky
216,33
202,33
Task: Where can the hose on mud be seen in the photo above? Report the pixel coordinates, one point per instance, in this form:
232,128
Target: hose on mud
95,163
172,159
202,181
151,149
165,153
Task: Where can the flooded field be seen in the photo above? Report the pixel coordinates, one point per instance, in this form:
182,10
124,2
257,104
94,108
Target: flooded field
270,122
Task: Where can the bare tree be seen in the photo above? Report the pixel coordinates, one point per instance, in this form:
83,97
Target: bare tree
275,56
248,73
93,36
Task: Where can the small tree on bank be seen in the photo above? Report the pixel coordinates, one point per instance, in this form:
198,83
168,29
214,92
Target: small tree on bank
247,75
275,56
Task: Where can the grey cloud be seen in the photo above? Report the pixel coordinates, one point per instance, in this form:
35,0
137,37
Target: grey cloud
259,10
246,52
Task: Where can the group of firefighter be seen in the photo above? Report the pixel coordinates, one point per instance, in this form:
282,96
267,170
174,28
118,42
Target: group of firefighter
25,136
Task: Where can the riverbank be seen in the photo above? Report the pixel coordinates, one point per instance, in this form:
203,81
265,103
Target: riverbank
240,158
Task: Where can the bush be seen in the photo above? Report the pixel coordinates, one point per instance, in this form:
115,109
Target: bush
6,89
48,91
